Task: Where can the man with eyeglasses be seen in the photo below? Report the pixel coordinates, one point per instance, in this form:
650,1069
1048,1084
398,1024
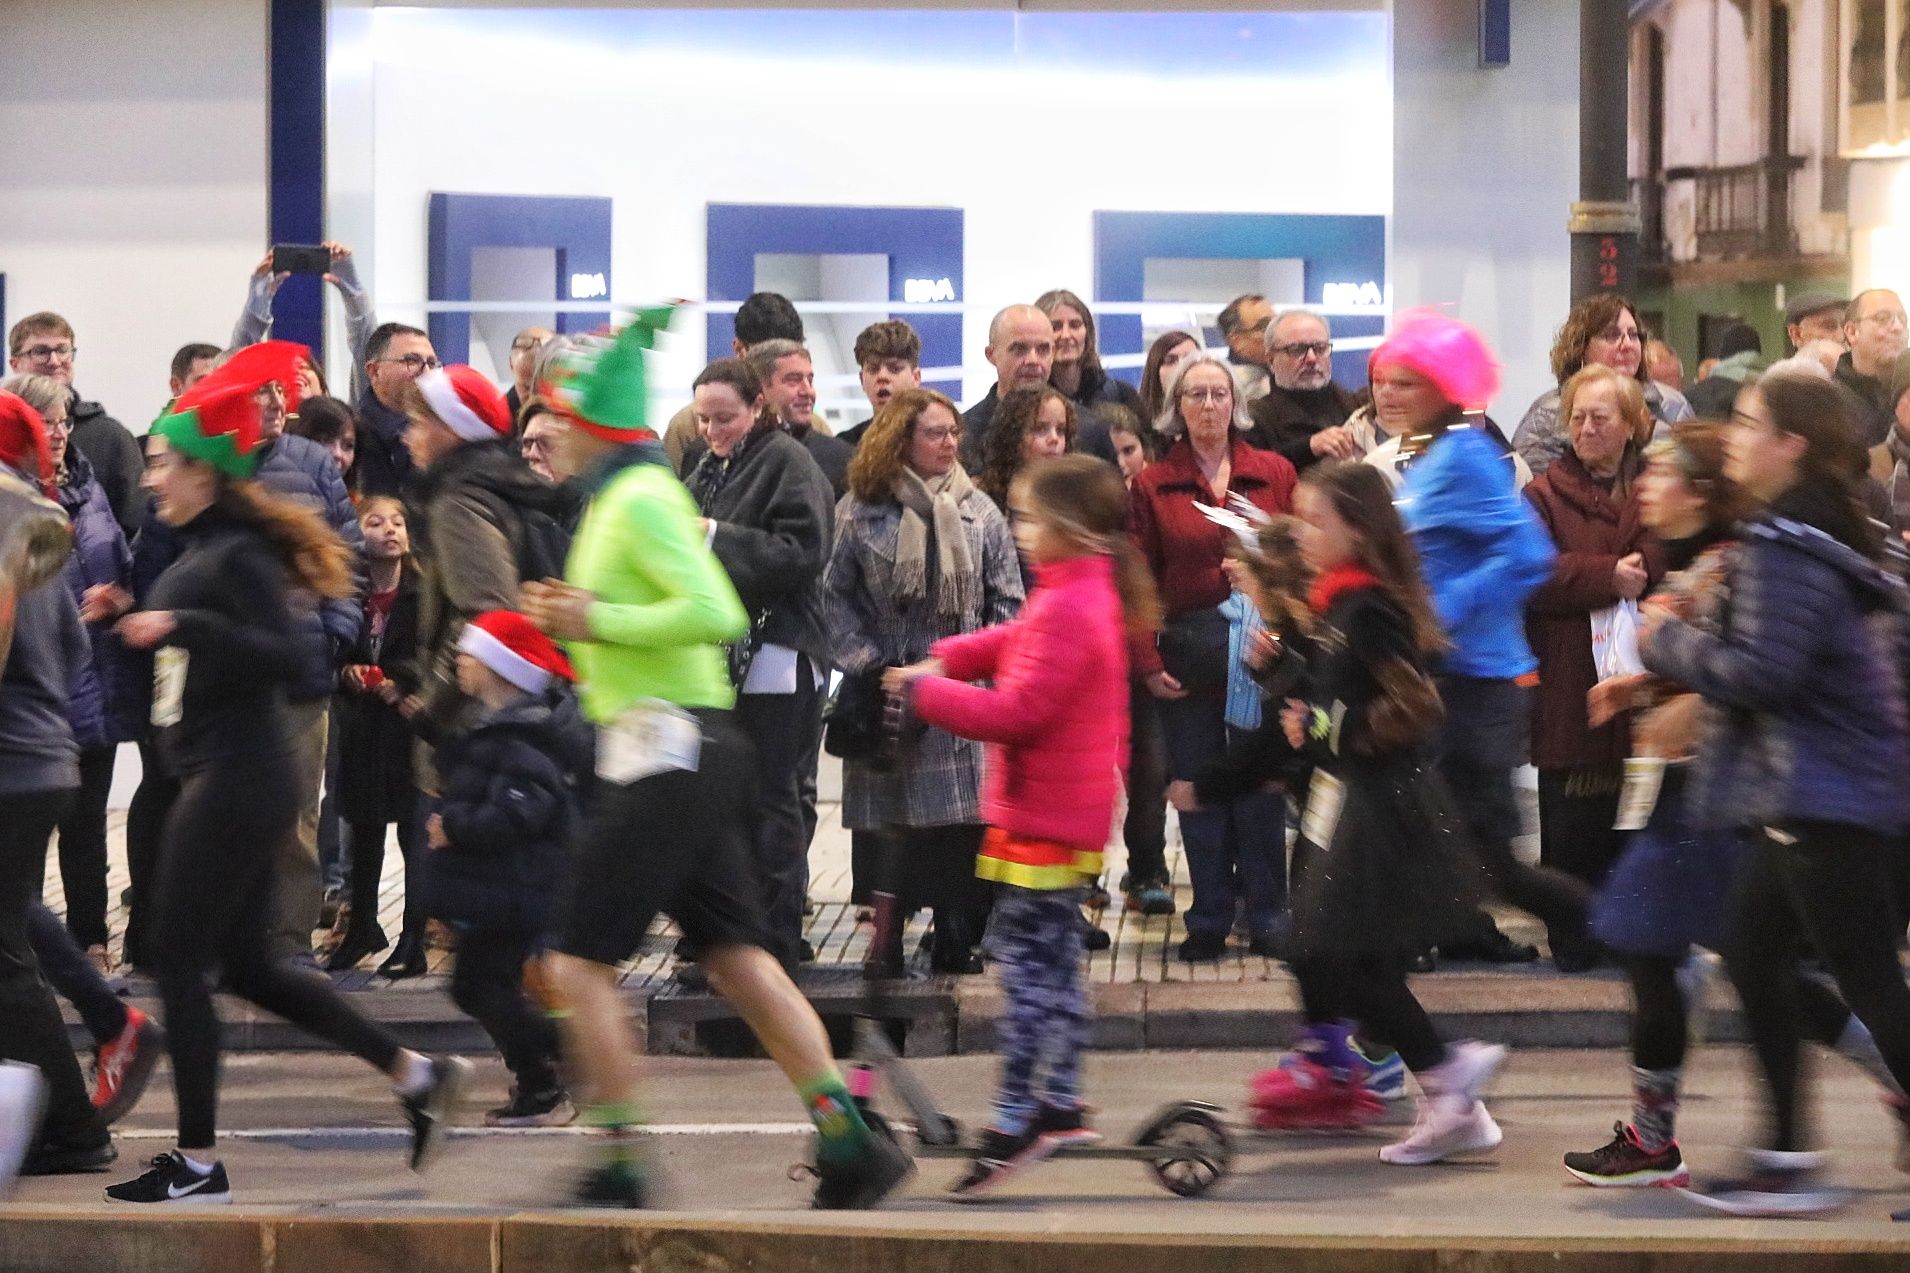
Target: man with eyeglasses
395,356
1243,325
42,344
1303,414
526,346
1875,331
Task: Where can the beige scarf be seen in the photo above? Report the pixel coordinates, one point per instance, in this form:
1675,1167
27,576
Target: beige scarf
937,501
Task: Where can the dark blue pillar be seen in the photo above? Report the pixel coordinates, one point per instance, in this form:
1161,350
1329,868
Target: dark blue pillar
297,170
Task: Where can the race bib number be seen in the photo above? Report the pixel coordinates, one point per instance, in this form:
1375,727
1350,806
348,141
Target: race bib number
650,738
169,686
1322,816
1644,778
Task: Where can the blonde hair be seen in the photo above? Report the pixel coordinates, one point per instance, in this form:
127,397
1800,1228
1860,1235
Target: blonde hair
1631,400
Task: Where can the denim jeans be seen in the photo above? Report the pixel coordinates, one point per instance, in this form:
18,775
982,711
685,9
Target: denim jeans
1235,850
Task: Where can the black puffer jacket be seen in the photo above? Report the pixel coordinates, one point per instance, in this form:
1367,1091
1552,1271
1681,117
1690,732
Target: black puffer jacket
509,807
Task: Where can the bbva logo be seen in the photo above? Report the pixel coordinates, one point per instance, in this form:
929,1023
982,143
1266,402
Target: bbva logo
923,291
585,287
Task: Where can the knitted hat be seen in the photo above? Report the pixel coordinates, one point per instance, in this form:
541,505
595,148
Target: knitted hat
217,420
23,438
599,384
507,643
1444,350
469,404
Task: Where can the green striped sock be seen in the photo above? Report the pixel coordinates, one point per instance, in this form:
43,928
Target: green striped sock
840,1131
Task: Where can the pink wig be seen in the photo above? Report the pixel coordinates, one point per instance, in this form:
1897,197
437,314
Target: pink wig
1445,351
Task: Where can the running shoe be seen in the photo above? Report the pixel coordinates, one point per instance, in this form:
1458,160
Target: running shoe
533,1109
69,1158
123,1066
1152,897
612,1184
1384,1077
171,1181
999,1156
1447,1127
428,1109
1065,1127
858,1183
1303,1095
1624,1163
1776,1184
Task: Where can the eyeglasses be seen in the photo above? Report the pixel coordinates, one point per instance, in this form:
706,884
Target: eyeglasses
531,443
1887,318
1207,395
49,353
525,346
1619,335
940,433
1301,348
416,364
62,425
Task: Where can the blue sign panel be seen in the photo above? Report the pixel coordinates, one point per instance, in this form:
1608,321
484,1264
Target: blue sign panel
576,229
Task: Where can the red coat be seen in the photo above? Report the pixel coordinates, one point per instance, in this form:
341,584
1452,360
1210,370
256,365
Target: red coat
1592,528
1183,548
1055,719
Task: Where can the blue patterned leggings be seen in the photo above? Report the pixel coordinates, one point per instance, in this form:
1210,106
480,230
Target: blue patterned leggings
1035,938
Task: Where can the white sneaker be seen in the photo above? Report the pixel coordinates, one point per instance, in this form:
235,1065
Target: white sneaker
1447,1127
1695,977
1468,1071
22,1098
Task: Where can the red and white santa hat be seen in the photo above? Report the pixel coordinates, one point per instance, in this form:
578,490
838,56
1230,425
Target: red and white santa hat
507,643
469,404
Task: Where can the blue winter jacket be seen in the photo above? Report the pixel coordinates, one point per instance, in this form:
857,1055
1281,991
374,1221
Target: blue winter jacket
1481,549
302,470
104,705
1804,680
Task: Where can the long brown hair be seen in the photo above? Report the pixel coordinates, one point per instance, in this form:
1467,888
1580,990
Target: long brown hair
1696,447
1828,491
1282,574
884,451
1361,498
1001,450
1082,499
1153,393
313,554
1053,299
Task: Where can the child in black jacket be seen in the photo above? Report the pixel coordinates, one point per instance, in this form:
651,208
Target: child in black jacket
499,845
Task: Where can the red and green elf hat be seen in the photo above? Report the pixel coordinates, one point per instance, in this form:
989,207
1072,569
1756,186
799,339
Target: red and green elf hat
598,384
217,420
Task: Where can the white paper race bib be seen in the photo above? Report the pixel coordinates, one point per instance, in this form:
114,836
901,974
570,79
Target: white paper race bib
1644,778
1322,816
169,686
652,737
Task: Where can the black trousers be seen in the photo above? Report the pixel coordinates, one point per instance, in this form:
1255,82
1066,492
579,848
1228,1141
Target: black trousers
782,728
145,824
1828,884
1660,1025
30,1025
73,976
364,845
487,982
213,903
1576,810
1371,991
934,867
82,835
1144,830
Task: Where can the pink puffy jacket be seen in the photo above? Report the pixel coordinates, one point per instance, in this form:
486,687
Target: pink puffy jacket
1055,719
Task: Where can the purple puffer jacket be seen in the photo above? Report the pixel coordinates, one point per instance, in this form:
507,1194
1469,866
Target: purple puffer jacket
104,702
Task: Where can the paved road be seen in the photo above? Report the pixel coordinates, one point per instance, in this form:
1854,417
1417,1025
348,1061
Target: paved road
734,1130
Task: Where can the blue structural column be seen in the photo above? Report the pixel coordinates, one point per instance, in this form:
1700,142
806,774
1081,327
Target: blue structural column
297,167
1495,33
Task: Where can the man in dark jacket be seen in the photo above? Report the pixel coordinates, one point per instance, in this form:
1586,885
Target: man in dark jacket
1021,349
43,344
303,471
1303,413
789,386
395,356
888,359
1874,329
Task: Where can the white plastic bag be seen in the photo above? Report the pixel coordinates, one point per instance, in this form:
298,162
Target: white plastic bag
1615,641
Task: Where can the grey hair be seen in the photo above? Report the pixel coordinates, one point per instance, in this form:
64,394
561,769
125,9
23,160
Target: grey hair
1285,314
765,354
1799,364
553,349
1169,423
40,392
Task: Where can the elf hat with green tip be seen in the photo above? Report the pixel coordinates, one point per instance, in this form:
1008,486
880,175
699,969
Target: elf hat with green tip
217,420
599,384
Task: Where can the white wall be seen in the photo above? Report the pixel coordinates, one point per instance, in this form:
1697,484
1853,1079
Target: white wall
133,136
876,124
1485,164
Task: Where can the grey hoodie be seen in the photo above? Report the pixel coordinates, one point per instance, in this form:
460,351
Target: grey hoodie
37,751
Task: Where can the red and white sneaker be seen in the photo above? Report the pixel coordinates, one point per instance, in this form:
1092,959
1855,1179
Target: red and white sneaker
123,1067
1303,1095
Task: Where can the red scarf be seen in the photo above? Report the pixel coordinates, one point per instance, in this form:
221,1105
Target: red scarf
1331,583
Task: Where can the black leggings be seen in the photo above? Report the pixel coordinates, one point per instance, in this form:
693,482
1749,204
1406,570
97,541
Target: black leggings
487,981
145,824
1371,991
212,903
83,848
1828,884
1659,1024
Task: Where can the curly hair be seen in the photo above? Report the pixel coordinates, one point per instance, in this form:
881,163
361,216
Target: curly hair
884,451
1014,418
1588,318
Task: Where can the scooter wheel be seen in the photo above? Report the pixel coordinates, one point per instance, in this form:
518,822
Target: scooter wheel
1196,1152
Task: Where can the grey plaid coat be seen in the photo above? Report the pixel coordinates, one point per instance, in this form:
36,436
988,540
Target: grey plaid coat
939,782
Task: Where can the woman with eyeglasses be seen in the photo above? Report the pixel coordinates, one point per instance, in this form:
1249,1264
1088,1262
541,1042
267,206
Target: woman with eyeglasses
1601,329
1237,848
920,554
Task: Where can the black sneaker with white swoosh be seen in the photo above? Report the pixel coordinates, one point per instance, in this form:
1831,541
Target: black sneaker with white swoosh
173,1180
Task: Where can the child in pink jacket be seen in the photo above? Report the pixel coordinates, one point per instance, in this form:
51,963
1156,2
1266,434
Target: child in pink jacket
1055,722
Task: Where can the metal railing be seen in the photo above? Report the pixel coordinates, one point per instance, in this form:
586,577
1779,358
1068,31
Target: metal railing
1745,210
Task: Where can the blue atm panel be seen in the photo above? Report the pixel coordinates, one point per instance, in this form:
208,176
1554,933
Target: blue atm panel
575,228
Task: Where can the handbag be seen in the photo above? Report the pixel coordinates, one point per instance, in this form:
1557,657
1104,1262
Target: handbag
1194,649
743,651
852,719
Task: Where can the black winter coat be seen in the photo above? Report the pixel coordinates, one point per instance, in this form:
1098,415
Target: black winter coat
375,780
509,807
1285,420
